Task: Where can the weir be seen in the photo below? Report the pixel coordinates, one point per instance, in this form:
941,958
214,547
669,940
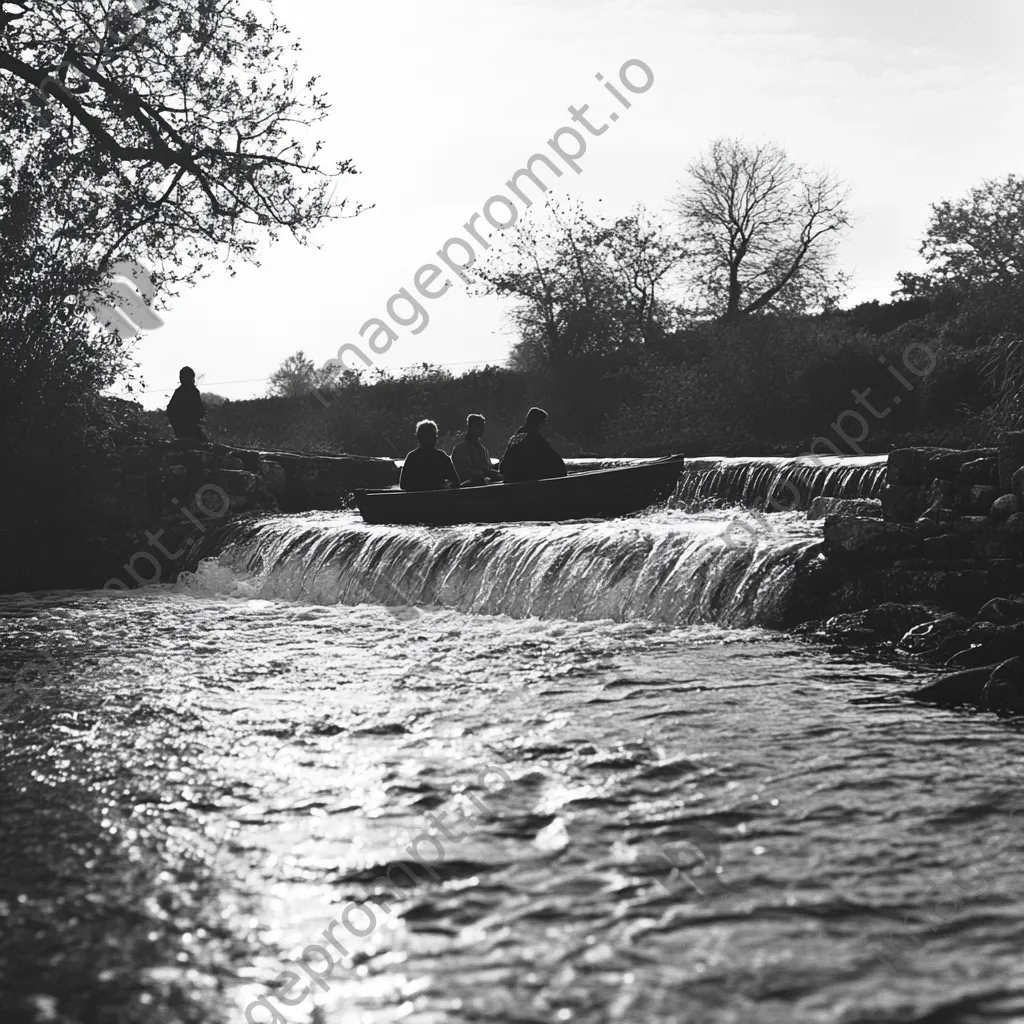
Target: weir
793,483
671,567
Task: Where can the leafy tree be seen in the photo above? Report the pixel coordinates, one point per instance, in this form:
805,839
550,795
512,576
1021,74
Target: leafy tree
298,376
586,288
973,242
51,353
179,132
763,230
172,135
554,263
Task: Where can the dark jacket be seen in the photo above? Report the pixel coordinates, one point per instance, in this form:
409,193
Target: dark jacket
529,456
426,469
185,408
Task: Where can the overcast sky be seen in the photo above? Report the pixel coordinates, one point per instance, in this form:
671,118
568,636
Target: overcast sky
439,103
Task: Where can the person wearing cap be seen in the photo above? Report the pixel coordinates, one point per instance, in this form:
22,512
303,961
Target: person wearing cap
529,455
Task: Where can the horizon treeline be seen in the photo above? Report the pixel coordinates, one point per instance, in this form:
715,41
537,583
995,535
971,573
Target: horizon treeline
720,332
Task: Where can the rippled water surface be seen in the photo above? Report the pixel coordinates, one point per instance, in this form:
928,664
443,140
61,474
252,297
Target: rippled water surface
682,823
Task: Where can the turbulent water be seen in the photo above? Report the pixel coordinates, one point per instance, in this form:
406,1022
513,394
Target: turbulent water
598,798
781,483
669,566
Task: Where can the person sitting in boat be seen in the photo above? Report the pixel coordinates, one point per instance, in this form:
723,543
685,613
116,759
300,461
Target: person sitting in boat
427,467
471,459
529,455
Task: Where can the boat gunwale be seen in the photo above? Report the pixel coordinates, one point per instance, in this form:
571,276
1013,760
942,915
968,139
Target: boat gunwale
655,464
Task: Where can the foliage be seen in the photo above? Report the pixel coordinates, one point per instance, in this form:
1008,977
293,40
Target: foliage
179,134
763,231
1004,373
879,318
52,352
586,288
298,376
173,137
973,242
741,386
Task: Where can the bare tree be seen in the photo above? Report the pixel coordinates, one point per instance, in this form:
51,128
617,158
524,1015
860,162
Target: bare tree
762,229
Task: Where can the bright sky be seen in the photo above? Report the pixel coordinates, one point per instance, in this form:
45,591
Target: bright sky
440,103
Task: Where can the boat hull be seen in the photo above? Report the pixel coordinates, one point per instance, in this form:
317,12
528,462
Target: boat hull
600,494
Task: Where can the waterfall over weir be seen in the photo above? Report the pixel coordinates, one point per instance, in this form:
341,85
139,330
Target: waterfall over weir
792,482
669,566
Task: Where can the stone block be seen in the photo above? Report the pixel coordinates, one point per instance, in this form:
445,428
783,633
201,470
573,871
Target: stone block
1005,506
1011,456
859,536
949,466
962,591
1013,527
994,541
955,688
822,507
1002,610
911,467
946,545
1004,691
903,504
928,636
946,501
274,477
980,499
251,461
237,481
980,472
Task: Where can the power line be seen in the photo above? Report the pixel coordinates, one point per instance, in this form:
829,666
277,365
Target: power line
257,380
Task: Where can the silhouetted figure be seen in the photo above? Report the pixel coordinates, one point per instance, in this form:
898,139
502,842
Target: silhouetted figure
529,455
471,459
427,467
186,408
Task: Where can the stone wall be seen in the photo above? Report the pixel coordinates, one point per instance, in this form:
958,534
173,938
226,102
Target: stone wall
935,569
149,500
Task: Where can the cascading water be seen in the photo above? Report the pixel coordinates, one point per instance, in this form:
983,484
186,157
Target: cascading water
668,567
792,482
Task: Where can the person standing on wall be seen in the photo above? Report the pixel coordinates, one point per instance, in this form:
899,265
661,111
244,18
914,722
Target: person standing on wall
186,407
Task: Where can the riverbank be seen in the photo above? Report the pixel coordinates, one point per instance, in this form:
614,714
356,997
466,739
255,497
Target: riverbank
931,574
920,557
135,504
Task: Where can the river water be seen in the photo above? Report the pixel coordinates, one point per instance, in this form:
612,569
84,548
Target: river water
604,792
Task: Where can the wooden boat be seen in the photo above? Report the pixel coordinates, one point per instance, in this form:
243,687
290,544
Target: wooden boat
604,493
